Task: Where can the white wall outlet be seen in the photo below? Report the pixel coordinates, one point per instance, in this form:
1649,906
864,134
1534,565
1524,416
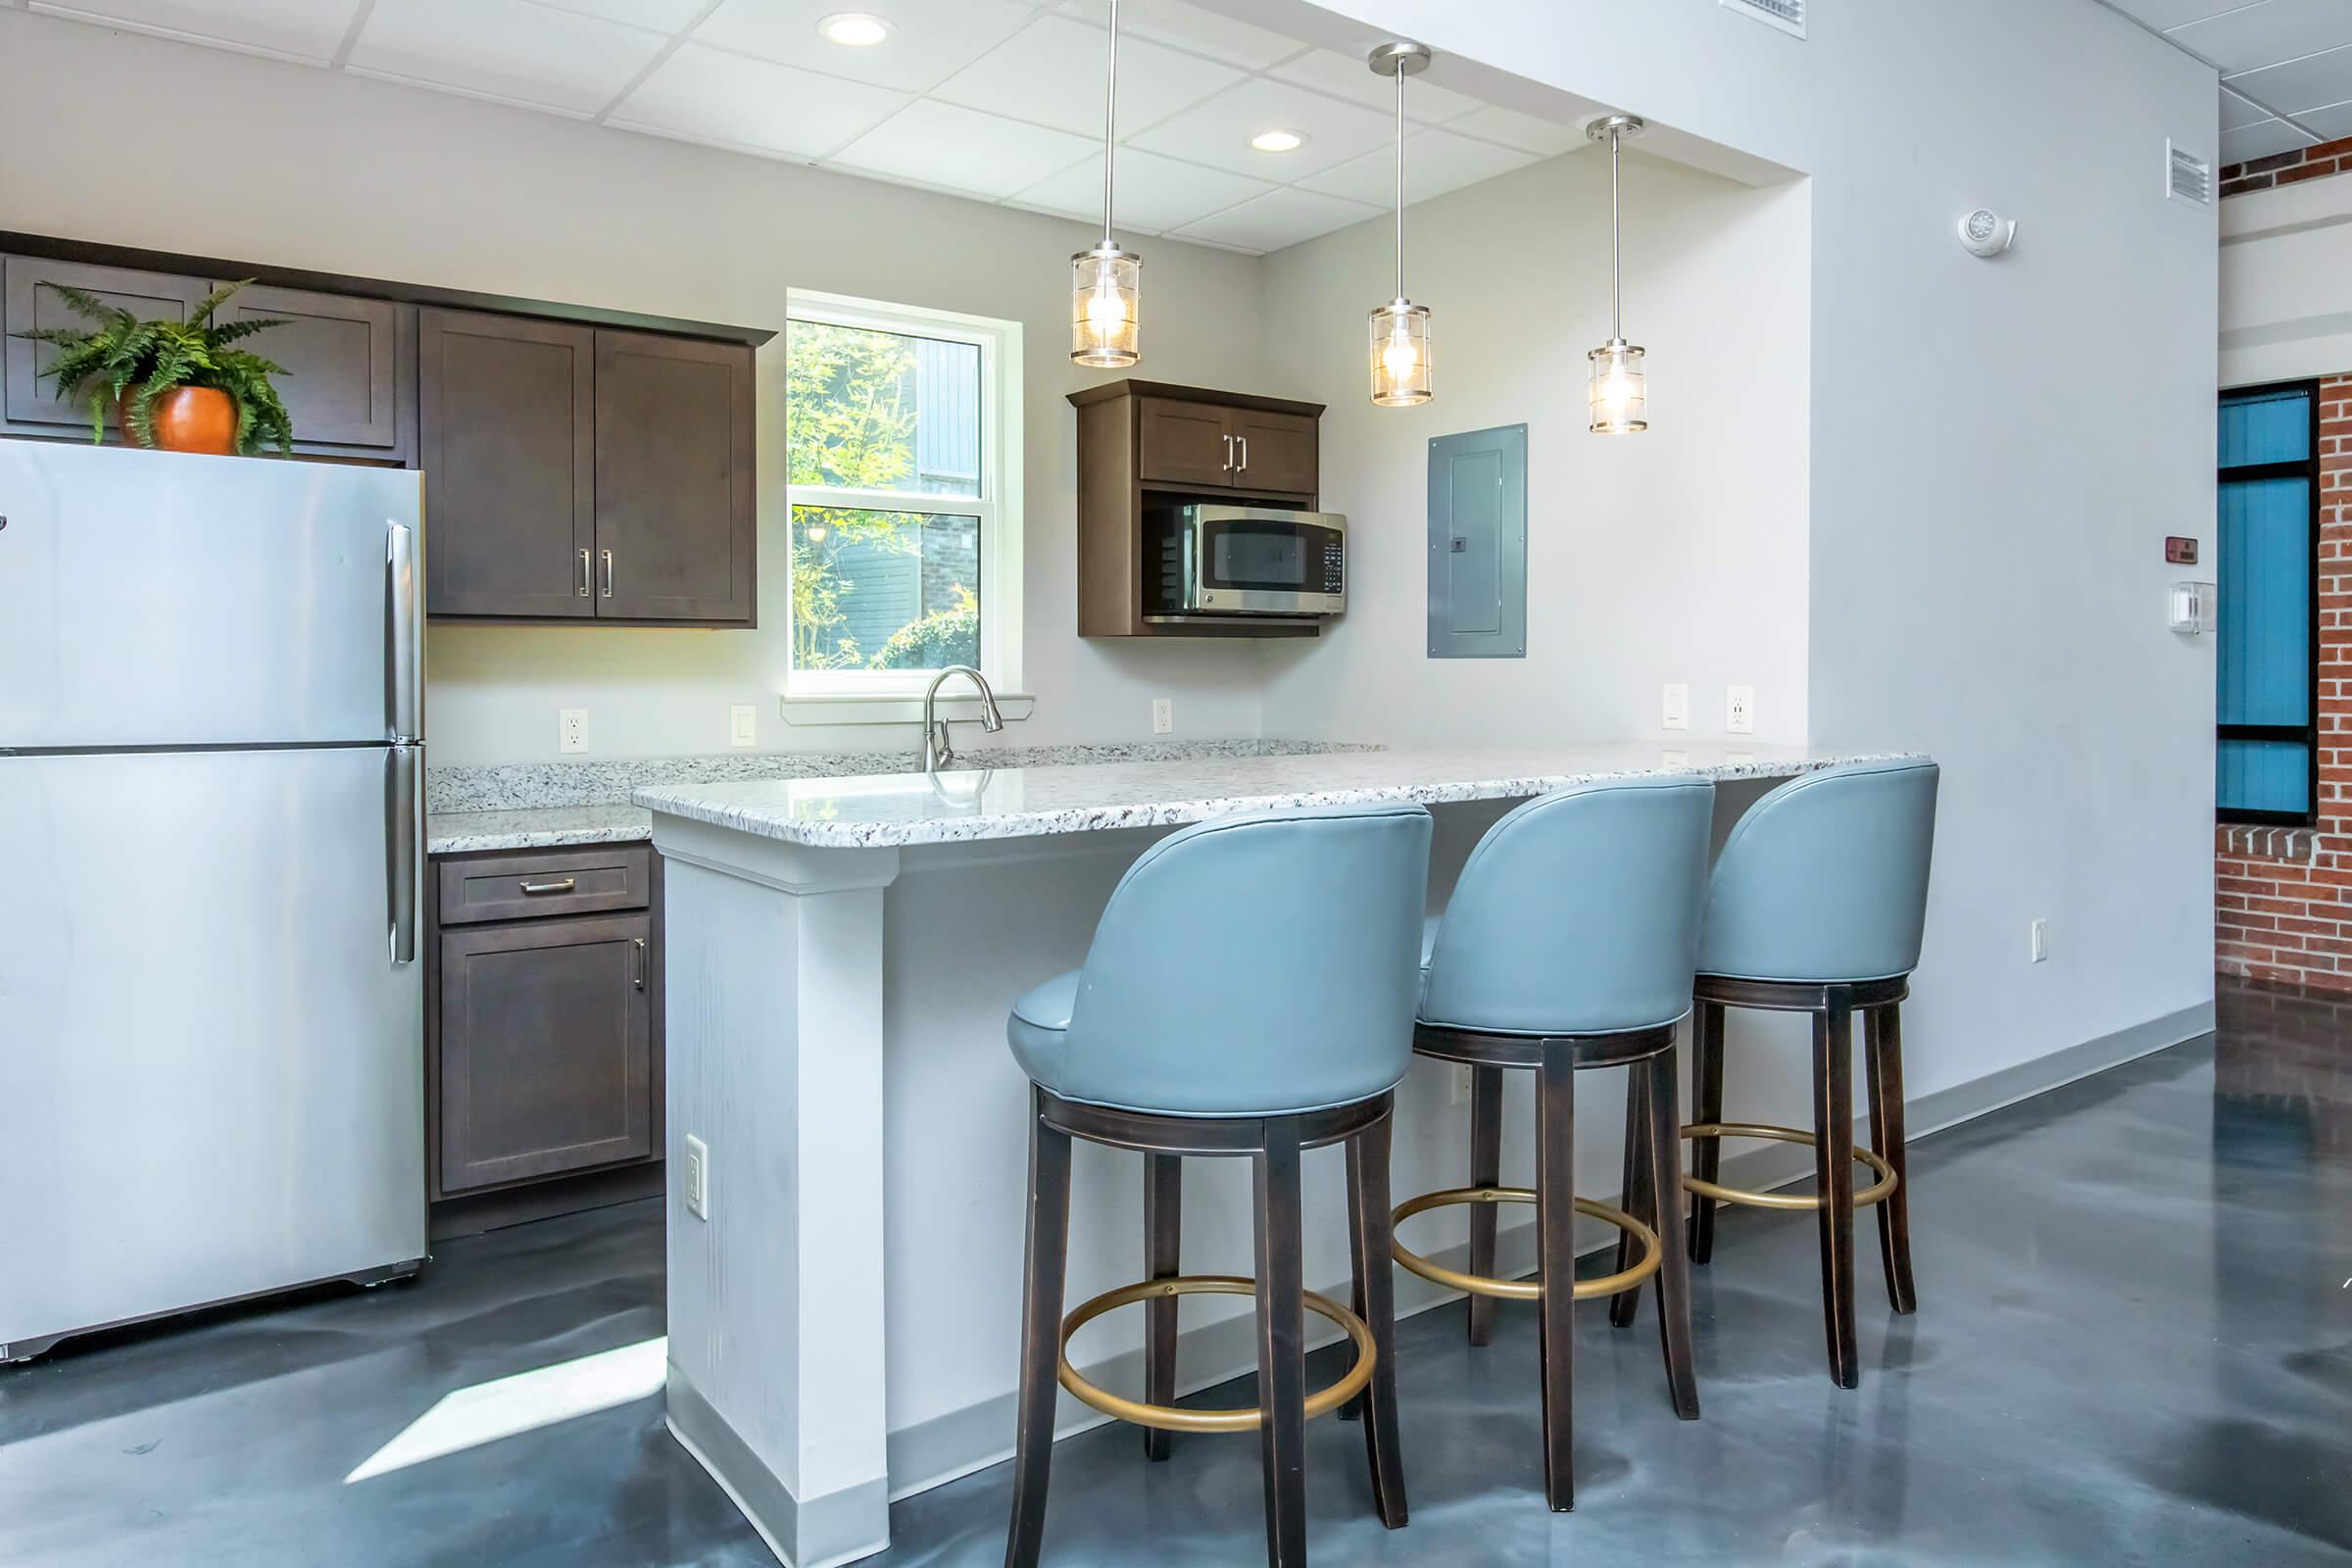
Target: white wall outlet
743,725
1163,715
2040,939
1671,757
1675,710
698,1178
1460,1079
1739,710
571,729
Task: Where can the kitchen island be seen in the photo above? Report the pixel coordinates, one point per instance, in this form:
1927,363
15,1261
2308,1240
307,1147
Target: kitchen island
844,1226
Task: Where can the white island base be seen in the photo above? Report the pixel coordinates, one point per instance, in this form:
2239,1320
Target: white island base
841,956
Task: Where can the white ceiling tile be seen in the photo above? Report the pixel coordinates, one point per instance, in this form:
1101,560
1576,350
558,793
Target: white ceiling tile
305,30
1280,218
2236,111
940,144
929,39
2259,140
2267,33
2333,121
1219,130
2307,83
1050,72
1434,162
2174,13
1347,76
712,95
1509,126
662,15
508,49
1191,27
1153,193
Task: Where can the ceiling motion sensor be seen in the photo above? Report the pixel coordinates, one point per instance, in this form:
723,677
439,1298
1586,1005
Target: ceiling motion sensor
1986,233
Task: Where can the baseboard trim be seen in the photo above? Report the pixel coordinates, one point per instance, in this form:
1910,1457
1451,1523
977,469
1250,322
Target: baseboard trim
824,1532
932,1452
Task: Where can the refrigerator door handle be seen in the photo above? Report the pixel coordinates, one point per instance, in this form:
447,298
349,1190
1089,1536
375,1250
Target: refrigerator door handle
404,806
405,677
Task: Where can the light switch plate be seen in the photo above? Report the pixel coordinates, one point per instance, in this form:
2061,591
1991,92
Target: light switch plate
743,725
2042,942
571,729
1675,712
698,1178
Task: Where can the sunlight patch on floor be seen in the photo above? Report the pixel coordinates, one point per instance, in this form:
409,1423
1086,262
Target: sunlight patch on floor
526,1402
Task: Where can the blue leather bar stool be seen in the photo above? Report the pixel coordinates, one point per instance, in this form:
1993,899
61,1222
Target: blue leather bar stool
1817,905
1249,991
1569,944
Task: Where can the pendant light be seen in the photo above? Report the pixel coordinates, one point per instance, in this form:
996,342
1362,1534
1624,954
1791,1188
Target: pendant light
1620,397
1107,282
1400,366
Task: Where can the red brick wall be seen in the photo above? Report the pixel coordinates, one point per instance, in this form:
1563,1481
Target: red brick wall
2283,897
2287,168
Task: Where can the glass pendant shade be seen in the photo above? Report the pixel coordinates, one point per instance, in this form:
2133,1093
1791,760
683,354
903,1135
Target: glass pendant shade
1620,389
1401,362
1106,307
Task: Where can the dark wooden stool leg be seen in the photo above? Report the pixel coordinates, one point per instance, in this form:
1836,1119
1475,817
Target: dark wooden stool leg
1883,1042
1665,1174
1706,1105
1048,1252
1486,1170
1163,1233
1376,1301
1360,1270
1555,1248
1833,1181
1640,1201
1281,1341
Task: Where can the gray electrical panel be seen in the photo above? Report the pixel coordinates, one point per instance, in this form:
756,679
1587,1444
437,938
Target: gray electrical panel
1478,544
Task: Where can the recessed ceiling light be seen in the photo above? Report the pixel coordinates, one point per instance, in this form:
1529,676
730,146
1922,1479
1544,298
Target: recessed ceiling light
854,28
1278,142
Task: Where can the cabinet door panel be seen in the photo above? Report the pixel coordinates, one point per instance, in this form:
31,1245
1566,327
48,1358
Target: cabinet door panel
1183,444
341,353
150,295
1278,451
507,428
546,1048
675,524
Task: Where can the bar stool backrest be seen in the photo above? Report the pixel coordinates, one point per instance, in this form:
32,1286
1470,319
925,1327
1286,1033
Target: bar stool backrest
1259,961
1578,914
1826,878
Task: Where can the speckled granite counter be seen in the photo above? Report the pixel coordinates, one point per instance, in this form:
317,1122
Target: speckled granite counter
908,809
530,805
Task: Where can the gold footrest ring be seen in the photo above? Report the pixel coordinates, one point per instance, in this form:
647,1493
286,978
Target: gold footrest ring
1174,1418
1524,1289
1868,1196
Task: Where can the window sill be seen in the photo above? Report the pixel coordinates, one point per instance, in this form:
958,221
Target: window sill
895,708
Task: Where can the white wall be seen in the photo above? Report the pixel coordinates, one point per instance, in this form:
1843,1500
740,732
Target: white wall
1675,556
298,168
1997,452
2286,284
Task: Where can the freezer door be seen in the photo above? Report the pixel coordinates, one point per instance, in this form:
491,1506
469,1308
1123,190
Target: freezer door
152,599
210,1064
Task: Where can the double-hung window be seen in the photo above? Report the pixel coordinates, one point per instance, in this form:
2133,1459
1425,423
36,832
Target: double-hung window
2267,702
903,480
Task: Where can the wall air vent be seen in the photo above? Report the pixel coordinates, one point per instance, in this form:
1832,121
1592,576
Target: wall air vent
1787,14
2187,176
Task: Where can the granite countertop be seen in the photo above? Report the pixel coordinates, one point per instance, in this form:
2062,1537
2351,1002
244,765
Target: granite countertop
906,809
535,827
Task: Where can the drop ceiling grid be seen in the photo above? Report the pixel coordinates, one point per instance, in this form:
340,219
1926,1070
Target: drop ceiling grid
654,67
2286,66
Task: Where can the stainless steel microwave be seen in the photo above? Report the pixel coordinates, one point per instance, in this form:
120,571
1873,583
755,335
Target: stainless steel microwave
1221,561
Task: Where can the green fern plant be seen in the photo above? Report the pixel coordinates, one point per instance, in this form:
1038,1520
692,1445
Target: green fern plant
124,362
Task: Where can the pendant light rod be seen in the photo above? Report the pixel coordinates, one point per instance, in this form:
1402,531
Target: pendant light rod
1400,184
1400,60
1615,129
1110,118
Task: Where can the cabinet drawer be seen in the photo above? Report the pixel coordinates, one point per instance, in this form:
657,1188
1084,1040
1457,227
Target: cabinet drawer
525,887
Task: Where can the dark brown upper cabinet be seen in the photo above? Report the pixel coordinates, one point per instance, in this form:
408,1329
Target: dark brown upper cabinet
1147,442
676,532
344,383
507,411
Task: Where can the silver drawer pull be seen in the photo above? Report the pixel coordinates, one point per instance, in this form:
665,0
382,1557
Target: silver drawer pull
559,885
637,962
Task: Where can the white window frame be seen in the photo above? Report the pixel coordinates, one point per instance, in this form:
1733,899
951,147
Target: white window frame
853,696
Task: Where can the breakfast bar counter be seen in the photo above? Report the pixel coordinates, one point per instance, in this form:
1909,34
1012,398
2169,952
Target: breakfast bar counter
841,1112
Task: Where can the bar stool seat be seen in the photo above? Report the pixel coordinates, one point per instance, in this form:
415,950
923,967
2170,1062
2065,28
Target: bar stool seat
1248,992
1567,946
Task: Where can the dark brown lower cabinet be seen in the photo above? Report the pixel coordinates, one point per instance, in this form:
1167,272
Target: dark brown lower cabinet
546,1050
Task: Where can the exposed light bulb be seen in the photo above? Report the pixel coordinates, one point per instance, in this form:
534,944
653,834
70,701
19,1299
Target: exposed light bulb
1105,314
1401,357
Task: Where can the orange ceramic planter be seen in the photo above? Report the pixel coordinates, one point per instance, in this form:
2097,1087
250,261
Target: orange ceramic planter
190,418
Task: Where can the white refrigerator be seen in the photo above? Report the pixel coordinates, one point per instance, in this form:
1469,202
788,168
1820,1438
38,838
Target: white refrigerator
212,807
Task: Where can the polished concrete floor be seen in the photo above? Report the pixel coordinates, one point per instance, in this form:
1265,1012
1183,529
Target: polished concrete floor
2134,1345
